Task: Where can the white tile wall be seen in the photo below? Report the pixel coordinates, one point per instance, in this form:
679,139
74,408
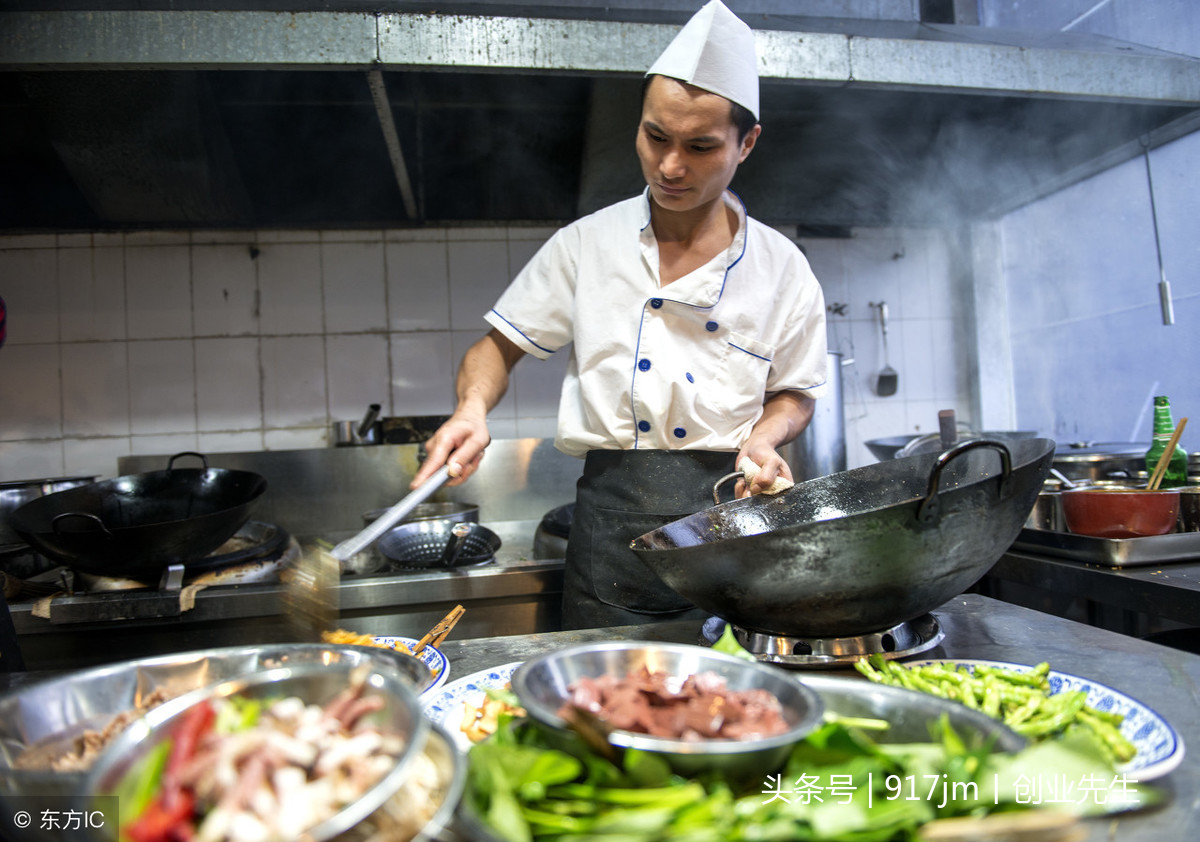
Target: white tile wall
93,457
417,294
166,445
300,438
30,290
224,291
228,395
357,370
289,287
95,389
293,381
422,380
478,272
162,387
230,442
353,286
31,407
31,459
91,283
158,290
157,342
1090,350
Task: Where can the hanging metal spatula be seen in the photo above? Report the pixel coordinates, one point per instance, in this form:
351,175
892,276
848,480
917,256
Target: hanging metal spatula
888,380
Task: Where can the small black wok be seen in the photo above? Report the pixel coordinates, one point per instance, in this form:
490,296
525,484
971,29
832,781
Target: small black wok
856,551
135,526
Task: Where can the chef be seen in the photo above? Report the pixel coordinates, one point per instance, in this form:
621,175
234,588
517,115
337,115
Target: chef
696,334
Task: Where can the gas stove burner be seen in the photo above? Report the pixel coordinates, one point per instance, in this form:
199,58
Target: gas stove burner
255,554
22,561
900,641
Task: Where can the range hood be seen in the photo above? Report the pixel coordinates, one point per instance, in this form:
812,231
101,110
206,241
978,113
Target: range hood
387,115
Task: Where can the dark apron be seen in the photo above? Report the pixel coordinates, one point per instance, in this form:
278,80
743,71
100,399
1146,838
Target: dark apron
624,494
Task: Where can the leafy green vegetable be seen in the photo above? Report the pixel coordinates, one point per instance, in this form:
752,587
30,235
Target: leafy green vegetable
503,694
838,783
141,783
237,713
728,644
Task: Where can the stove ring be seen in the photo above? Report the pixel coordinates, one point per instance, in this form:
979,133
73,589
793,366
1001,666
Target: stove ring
900,641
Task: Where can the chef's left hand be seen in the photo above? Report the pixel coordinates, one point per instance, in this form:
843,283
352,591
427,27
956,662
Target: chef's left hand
771,463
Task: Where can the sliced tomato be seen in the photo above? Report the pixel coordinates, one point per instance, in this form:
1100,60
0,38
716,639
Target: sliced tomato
197,721
162,823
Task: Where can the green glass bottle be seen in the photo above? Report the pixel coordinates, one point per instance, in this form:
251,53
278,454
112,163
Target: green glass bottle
1164,427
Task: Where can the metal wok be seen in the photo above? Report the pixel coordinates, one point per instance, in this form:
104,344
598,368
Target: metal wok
856,551
135,526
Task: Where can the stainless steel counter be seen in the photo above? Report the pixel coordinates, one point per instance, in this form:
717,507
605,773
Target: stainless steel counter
1167,680
1132,600
515,594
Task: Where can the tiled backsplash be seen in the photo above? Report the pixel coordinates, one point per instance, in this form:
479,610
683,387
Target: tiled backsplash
219,341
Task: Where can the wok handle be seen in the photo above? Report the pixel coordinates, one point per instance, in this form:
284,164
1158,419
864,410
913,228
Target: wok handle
717,485
56,522
203,459
930,510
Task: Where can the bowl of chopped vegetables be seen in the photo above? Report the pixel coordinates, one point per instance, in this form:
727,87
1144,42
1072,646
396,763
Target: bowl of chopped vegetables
699,709
289,753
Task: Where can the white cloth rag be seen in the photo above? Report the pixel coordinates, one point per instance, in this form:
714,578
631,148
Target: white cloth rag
750,470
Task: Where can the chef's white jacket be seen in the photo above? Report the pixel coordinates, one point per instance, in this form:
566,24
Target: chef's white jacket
682,366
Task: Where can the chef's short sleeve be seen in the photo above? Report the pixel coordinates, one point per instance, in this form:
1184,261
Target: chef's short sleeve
802,355
536,312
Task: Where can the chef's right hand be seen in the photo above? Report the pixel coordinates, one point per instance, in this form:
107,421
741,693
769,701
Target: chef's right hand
458,443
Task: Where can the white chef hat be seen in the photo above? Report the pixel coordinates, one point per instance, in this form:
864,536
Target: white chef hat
714,51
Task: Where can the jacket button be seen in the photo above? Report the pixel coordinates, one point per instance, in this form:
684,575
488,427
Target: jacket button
644,426
689,377
711,326
680,432
655,303
644,364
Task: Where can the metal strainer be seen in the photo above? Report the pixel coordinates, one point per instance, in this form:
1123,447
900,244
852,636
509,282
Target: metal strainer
423,543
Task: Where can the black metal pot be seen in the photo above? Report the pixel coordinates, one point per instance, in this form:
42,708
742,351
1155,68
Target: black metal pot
135,526
550,539
856,551
16,493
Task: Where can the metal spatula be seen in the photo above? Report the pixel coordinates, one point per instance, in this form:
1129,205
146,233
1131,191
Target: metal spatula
311,596
348,548
889,379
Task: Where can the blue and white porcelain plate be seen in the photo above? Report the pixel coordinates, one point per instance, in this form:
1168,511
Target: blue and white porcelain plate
431,656
1159,747
446,708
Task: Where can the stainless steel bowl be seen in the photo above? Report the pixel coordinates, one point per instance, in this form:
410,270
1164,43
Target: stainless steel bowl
440,770
53,712
1103,461
543,685
314,684
909,714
